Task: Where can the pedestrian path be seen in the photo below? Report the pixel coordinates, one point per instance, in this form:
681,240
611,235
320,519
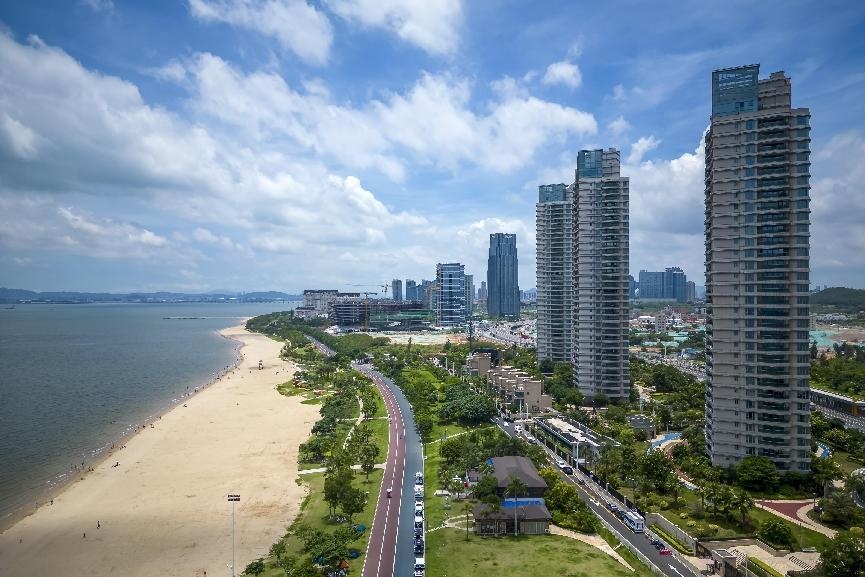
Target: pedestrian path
324,469
593,540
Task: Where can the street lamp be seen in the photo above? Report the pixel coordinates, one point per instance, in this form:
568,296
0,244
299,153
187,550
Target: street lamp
232,499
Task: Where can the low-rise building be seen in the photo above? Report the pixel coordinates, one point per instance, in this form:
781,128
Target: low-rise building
513,386
522,468
479,364
532,518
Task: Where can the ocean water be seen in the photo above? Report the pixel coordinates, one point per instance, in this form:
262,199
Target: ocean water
75,378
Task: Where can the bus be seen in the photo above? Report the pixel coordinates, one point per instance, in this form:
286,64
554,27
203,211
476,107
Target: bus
634,521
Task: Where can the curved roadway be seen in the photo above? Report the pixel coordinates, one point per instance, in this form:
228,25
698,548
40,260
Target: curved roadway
390,549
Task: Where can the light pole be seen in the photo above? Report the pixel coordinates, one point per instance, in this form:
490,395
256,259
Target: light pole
234,499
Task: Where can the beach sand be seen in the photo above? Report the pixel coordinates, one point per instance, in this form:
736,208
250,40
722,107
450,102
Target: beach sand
163,510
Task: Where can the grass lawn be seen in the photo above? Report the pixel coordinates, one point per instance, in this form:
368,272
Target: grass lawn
450,555
314,513
847,463
731,528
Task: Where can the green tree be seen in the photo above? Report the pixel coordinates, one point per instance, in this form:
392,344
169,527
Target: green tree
369,454
467,508
743,503
277,550
514,488
840,510
824,471
844,555
352,501
485,489
776,532
255,568
758,474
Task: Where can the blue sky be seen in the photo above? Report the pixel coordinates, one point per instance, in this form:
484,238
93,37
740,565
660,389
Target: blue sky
245,145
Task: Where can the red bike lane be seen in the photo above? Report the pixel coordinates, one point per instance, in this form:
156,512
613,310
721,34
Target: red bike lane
381,548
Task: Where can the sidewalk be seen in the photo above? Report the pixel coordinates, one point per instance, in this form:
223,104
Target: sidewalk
593,540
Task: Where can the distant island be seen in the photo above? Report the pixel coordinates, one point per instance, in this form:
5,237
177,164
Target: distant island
21,296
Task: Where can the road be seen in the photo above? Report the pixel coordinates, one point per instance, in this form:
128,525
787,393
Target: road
391,538
596,498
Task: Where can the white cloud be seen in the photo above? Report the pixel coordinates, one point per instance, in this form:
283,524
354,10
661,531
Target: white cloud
431,123
22,260
837,209
432,26
98,5
641,147
172,71
666,217
297,26
564,72
19,138
619,126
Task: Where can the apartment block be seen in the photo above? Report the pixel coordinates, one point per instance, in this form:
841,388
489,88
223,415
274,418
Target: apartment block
554,224
514,387
757,220
600,284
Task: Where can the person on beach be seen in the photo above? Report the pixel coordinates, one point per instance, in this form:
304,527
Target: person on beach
98,525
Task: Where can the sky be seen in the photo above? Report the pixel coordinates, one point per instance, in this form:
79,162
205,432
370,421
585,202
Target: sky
291,144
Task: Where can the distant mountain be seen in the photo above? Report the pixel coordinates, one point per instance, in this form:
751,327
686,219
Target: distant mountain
8,295
839,299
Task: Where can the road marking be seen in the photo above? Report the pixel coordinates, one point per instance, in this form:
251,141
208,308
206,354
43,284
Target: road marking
676,570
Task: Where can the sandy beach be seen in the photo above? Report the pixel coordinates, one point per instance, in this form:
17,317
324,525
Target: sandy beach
163,509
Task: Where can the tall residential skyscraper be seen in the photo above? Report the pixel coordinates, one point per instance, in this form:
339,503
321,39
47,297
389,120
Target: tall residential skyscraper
503,299
411,290
757,265
396,289
554,225
449,294
601,306
482,292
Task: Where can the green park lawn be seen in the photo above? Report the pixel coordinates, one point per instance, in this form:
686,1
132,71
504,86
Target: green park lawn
450,555
314,512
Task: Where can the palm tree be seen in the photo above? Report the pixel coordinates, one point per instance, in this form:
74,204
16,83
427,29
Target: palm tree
515,488
742,502
467,508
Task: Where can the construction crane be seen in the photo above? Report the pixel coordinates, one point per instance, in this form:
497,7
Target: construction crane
366,303
385,286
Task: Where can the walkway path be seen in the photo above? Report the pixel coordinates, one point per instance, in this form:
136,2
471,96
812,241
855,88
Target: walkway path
593,540
795,511
324,469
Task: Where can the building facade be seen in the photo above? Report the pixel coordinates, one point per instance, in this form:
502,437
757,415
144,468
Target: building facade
396,289
600,299
668,285
554,226
470,295
757,271
319,300
411,290
482,292
503,298
449,295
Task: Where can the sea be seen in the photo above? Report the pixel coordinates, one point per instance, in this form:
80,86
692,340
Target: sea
77,378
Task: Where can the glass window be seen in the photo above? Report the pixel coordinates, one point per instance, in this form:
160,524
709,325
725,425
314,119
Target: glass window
802,204
749,160
802,169
803,156
802,145
802,120
801,192
749,124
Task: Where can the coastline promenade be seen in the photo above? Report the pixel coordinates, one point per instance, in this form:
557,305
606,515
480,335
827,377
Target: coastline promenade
158,506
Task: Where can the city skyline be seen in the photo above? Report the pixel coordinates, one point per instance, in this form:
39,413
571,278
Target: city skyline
216,146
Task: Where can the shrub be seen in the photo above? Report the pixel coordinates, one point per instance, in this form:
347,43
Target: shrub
683,515
691,524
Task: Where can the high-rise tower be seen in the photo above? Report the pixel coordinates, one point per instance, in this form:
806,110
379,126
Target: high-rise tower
396,289
757,266
600,299
554,225
449,294
503,299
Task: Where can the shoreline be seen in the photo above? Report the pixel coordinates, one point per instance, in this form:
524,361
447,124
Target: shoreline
176,471
60,482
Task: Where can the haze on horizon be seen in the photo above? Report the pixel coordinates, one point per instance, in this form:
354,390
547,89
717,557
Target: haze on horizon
249,145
